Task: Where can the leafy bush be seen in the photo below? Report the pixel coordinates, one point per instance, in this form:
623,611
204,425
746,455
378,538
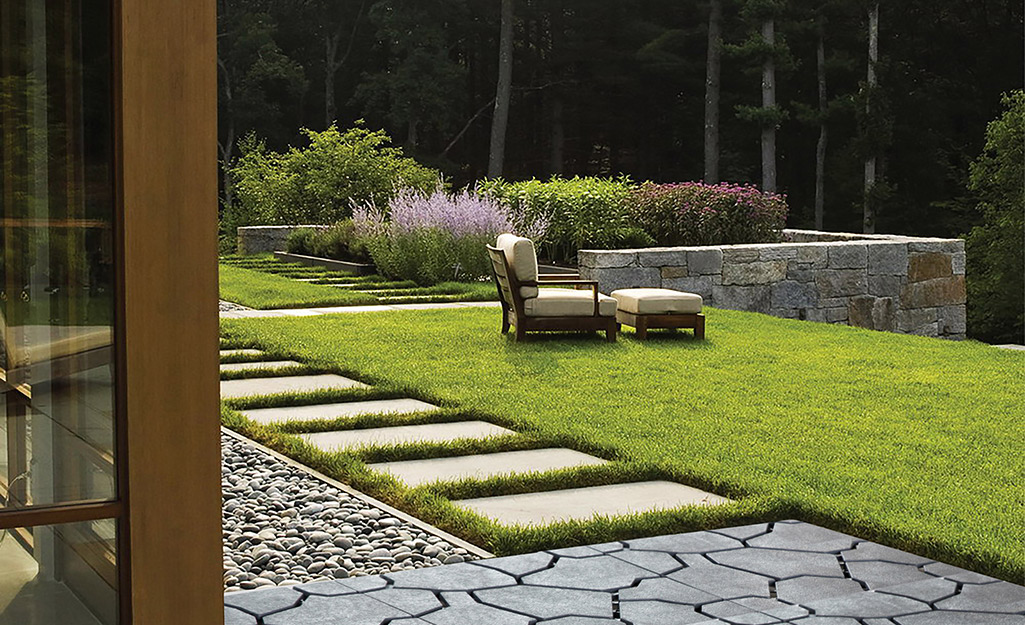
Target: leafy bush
339,242
996,266
693,213
579,213
432,238
321,182
300,241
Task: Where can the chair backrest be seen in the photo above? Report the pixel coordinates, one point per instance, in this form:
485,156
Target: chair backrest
505,280
522,262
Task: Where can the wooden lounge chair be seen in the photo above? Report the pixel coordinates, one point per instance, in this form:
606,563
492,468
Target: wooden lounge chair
533,309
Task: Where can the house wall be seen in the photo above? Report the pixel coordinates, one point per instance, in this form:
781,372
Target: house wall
910,285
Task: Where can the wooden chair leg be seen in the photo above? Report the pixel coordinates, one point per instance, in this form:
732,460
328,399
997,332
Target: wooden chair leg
521,334
699,327
642,328
610,332
505,322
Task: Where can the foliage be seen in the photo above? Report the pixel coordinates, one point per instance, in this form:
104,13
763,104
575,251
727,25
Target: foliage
339,242
321,182
858,430
996,266
693,213
578,212
432,238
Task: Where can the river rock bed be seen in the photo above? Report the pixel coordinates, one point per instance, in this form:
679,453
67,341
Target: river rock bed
282,526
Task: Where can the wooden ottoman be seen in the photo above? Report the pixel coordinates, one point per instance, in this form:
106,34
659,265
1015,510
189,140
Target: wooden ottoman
659,308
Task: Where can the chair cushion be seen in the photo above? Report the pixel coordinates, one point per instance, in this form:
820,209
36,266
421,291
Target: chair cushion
657,301
568,303
522,258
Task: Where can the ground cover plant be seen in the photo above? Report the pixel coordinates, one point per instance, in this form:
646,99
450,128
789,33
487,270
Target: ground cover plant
910,441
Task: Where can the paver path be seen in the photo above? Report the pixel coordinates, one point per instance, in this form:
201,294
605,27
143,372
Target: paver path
338,410
787,572
480,466
261,364
584,503
309,312
395,435
253,387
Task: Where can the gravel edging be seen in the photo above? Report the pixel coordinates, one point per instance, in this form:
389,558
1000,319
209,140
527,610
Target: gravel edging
231,306
283,526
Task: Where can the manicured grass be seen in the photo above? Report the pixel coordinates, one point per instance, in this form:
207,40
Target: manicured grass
914,442
267,284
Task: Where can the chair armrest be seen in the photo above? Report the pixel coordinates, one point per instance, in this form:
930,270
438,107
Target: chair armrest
558,276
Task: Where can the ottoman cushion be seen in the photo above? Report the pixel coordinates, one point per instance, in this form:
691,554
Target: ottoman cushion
657,301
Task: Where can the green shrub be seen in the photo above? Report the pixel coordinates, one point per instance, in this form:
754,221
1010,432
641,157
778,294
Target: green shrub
320,183
693,213
996,267
300,241
340,243
578,213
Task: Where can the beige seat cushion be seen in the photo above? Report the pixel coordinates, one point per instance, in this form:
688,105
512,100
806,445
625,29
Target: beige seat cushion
657,301
568,303
522,258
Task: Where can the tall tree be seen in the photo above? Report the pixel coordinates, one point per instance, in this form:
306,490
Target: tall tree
869,216
713,72
336,55
769,104
503,92
820,146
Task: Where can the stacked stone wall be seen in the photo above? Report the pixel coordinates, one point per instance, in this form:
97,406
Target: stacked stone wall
900,284
266,239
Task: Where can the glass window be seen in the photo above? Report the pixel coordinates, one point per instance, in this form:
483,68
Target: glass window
57,421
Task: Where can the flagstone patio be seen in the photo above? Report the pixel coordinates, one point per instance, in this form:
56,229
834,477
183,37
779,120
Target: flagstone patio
785,572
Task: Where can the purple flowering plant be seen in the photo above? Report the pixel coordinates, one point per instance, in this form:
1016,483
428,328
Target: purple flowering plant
436,237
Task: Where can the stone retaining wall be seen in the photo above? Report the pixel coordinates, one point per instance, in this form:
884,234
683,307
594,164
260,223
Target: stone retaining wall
911,285
265,239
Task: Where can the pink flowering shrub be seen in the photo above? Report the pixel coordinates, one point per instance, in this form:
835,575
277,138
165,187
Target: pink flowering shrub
433,238
694,213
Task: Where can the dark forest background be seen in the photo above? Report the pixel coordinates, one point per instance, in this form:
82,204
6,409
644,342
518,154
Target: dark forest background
609,87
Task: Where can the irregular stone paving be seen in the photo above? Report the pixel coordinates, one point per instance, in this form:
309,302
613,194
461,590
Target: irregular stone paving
283,526
786,572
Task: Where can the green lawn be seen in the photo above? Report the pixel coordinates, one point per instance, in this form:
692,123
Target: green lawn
258,288
918,443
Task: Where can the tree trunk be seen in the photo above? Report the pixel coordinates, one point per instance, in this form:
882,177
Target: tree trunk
869,222
769,102
331,66
499,123
712,86
413,137
820,149
558,153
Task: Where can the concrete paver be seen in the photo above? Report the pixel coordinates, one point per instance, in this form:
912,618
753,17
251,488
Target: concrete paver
584,503
252,387
262,364
338,410
480,466
428,433
599,585
241,352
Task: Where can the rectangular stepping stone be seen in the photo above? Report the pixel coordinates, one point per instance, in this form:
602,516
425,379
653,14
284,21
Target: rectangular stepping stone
335,411
252,387
265,364
241,352
430,433
584,503
480,466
